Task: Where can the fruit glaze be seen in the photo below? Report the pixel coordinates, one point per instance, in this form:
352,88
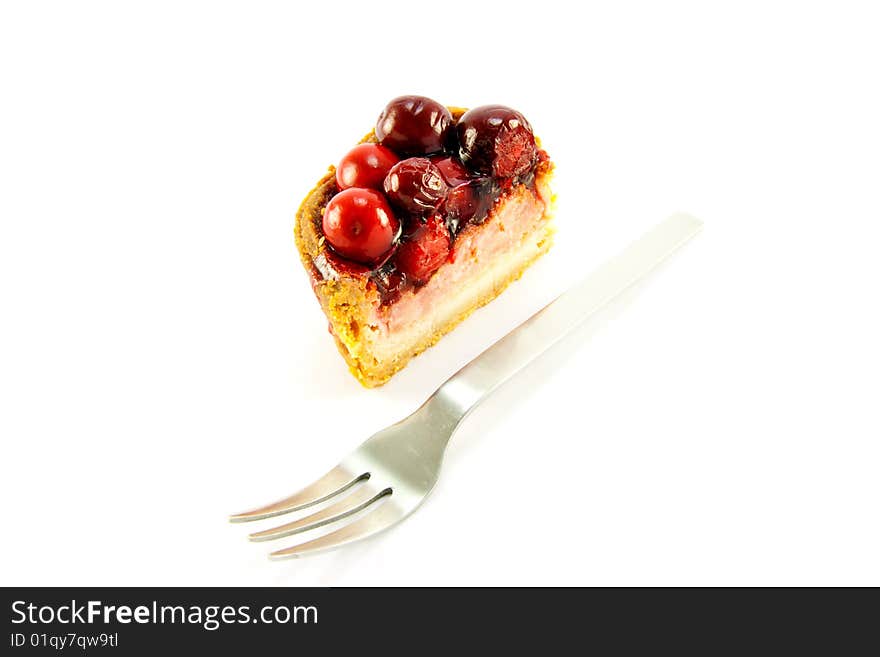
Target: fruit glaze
401,200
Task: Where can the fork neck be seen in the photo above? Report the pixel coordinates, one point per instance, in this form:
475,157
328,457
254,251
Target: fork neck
443,412
463,391
453,401
457,397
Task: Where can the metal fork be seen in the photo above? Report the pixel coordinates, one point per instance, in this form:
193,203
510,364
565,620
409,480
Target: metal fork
392,473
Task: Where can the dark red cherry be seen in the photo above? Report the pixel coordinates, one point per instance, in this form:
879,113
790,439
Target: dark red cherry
414,125
496,140
359,225
461,205
390,282
422,252
365,165
415,186
469,202
454,172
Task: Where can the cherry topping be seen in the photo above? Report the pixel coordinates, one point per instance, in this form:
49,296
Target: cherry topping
424,250
414,125
451,175
416,186
496,140
365,165
360,226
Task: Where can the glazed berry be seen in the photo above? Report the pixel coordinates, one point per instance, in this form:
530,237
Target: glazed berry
424,250
469,202
390,282
359,225
454,172
461,204
496,140
415,186
365,165
414,125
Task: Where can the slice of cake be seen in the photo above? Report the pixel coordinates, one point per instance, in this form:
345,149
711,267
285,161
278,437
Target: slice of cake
430,217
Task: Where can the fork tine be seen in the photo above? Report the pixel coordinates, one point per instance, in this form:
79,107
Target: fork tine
332,483
374,522
349,505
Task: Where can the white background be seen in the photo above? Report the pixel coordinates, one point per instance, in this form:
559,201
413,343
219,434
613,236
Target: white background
163,362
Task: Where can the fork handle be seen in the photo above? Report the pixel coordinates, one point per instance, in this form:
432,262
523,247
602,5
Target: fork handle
497,364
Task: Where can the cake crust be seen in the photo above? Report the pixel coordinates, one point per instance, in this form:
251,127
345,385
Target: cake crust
349,297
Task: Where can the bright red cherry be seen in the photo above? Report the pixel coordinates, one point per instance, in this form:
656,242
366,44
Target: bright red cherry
359,225
415,186
414,125
496,140
365,165
424,250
